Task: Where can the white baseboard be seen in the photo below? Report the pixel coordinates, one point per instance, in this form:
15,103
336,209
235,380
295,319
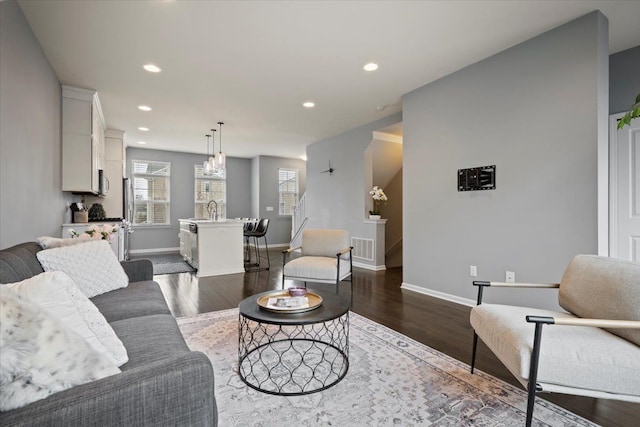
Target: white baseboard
278,245
438,294
370,267
153,251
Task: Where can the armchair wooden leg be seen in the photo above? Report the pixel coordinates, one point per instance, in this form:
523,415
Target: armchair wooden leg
473,353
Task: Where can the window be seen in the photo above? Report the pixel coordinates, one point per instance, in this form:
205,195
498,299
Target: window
151,182
288,190
209,187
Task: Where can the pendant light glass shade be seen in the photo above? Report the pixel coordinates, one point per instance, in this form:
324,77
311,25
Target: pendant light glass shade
221,161
210,164
206,168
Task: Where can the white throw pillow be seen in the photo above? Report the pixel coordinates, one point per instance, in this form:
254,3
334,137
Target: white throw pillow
39,356
56,293
93,266
47,242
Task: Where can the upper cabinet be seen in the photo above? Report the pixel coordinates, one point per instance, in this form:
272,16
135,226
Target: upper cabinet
83,145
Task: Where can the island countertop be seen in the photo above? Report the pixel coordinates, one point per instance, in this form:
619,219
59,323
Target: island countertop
210,223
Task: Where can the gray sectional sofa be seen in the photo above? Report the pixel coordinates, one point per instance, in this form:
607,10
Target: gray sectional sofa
163,383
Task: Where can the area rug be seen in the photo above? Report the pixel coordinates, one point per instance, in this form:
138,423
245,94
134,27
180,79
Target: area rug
392,380
168,264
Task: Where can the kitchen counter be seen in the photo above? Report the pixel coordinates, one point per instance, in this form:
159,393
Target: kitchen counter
117,242
212,247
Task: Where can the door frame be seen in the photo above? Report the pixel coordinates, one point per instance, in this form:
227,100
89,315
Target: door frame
613,183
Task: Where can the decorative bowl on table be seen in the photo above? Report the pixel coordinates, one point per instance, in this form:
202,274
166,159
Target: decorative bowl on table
297,291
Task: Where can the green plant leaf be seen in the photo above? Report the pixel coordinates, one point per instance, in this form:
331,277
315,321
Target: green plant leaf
636,113
638,98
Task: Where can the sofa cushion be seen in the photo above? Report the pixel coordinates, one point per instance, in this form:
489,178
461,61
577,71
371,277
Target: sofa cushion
19,262
137,299
39,355
324,242
597,287
56,293
316,267
93,266
149,339
581,357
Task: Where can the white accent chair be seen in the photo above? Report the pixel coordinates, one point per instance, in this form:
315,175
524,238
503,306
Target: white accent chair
326,258
593,350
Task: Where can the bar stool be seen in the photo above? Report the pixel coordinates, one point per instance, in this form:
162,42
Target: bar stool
250,225
260,231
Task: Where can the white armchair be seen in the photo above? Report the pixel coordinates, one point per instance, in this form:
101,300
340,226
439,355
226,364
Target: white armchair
593,349
326,258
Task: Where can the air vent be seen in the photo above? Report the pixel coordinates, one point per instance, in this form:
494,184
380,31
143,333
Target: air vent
363,248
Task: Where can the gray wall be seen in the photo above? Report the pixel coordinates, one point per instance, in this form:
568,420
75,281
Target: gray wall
342,200
531,110
624,73
279,231
182,197
31,200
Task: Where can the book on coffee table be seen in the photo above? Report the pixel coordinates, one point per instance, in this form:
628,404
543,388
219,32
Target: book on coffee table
287,303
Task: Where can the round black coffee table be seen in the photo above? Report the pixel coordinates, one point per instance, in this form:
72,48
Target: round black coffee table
291,354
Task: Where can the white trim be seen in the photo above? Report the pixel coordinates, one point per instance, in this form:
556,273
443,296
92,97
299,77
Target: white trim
369,266
375,221
387,137
78,93
153,251
114,133
221,272
613,184
438,294
278,245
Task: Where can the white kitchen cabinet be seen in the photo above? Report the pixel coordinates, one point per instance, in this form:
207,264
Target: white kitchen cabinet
83,149
113,169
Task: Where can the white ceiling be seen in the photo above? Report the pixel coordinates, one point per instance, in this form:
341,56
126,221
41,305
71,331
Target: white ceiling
252,63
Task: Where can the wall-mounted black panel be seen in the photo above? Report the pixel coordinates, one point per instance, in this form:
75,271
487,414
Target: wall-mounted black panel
480,178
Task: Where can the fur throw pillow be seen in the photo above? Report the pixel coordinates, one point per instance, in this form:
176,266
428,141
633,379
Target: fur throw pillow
39,356
58,295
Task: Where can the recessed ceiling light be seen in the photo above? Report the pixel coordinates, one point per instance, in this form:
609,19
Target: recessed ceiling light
143,129
308,104
371,66
141,142
152,68
144,107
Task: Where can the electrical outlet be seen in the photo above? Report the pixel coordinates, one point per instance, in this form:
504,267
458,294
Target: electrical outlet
473,271
510,277
269,208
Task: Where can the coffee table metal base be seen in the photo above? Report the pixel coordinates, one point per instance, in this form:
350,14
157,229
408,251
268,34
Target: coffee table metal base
293,359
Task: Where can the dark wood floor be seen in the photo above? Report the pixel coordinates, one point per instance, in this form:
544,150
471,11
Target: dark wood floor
440,324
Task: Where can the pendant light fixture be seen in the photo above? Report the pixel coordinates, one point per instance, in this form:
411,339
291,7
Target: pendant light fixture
222,158
212,158
206,168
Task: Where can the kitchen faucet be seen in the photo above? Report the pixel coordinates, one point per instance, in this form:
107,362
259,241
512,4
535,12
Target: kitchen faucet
213,215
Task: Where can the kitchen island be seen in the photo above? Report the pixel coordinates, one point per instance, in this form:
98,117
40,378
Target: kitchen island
213,248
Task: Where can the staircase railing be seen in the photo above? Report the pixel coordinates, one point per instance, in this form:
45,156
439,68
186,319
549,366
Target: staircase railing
299,217
393,246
